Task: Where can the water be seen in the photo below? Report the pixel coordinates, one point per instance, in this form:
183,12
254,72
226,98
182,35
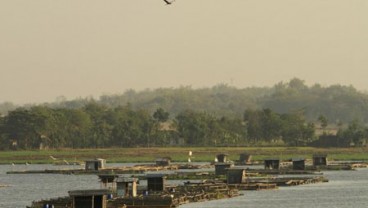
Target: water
345,189
25,188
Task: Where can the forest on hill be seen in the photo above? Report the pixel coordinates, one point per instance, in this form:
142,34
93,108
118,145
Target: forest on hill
336,102
288,114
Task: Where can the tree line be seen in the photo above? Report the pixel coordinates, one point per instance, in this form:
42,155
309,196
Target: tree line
336,102
98,126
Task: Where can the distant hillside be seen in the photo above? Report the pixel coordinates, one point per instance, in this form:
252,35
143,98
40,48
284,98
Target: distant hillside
337,103
220,100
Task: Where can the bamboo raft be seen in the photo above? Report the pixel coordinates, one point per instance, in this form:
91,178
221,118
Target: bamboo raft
187,193
287,181
61,202
269,183
286,171
138,169
3,186
255,186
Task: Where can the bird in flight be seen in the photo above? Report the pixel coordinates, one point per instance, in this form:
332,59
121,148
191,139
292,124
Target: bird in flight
168,2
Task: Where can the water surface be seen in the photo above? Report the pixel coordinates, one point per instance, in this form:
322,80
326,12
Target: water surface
345,189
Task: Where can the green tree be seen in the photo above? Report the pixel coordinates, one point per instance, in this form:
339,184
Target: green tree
296,131
161,115
131,128
355,134
193,127
101,129
253,120
21,126
323,121
78,128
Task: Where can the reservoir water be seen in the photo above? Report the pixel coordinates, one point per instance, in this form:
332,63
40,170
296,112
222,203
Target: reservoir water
344,190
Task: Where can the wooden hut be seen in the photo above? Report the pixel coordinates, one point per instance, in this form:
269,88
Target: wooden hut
272,164
235,175
108,181
95,164
164,161
126,187
96,198
245,159
156,182
298,163
319,159
221,168
221,158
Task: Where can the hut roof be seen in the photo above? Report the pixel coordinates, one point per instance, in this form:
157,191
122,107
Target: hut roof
89,192
155,175
297,159
95,160
127,180
110,177
163,159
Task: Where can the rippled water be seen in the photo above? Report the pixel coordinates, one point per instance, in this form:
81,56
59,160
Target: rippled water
25,188
345,189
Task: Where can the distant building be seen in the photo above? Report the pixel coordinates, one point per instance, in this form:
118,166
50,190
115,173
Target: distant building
95,164
108,181
222,158
272,164
164,161
245,159
221,168
156,182
89,198
298,163
235,175
319,159
126,187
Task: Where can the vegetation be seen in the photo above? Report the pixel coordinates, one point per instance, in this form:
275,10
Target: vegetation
336,103
289,114
96,126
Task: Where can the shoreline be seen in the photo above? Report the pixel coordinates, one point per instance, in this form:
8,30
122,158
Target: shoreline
178,154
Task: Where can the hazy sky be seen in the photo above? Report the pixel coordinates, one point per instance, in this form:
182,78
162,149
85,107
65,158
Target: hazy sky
72,48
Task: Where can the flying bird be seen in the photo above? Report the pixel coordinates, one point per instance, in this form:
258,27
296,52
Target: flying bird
52,157
168,2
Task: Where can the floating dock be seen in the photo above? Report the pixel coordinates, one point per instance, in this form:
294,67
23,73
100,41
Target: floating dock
3,186
169,198
137,169
255,186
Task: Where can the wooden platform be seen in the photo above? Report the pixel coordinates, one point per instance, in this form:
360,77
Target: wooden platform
117,170
187,193
255,186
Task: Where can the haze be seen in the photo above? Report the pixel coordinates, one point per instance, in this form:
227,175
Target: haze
89,48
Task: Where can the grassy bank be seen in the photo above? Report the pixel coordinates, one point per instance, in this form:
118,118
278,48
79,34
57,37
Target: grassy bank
179,154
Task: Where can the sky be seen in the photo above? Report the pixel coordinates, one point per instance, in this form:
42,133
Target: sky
82,48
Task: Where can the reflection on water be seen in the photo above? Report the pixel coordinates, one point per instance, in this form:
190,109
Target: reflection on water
345,189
